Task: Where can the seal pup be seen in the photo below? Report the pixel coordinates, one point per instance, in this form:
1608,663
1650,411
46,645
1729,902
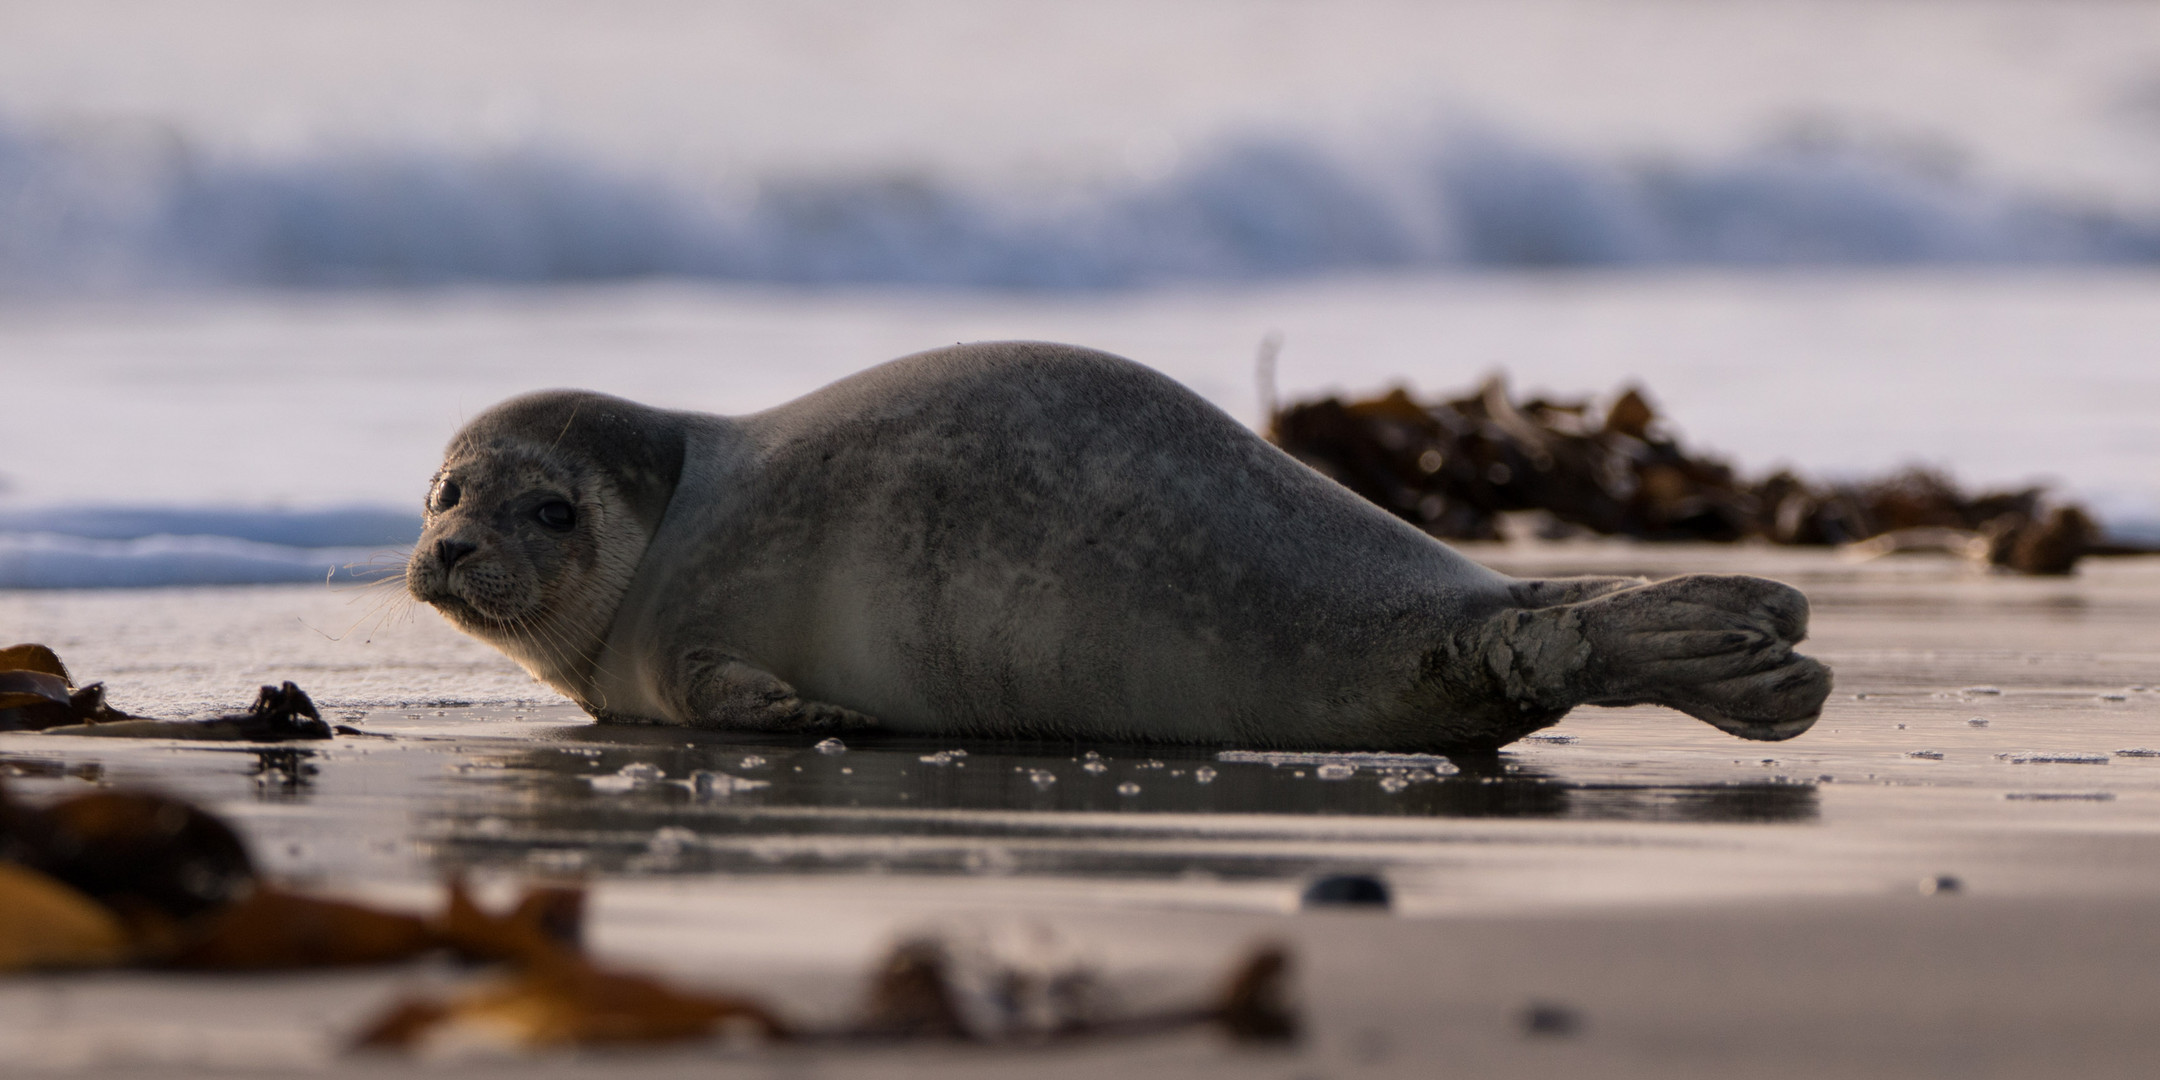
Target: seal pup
1028,540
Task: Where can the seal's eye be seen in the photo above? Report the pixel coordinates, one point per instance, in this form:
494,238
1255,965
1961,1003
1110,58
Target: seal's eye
556,514
446,495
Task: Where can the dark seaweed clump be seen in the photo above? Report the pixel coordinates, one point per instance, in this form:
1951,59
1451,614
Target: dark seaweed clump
1454,467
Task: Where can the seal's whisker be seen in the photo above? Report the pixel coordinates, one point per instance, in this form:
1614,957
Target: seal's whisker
379,605
382,569
399,605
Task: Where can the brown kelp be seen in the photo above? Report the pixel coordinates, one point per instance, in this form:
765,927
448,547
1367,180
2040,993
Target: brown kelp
1459,467
137,879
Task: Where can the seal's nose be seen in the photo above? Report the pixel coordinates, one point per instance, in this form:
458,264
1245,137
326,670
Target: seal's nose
448,552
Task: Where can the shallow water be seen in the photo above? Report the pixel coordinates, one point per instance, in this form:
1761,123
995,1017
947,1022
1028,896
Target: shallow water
1970,711
1975,747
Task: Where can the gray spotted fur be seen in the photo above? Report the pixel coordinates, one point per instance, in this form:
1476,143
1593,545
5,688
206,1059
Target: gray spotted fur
1034,540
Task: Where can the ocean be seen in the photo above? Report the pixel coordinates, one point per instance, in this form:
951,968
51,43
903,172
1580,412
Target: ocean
258,261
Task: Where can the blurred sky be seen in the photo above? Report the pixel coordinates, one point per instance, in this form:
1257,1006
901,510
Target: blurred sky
1037,145
2061,93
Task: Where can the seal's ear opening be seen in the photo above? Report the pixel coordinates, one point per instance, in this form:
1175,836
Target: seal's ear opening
638,448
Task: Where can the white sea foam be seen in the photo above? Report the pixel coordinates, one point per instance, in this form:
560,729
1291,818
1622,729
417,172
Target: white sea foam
48,561
89,547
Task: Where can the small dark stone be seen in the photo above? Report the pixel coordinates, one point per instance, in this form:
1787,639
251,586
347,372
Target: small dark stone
1543,1019
1942,885
1348,890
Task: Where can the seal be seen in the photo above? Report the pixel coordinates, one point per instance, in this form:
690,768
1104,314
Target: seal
1028,540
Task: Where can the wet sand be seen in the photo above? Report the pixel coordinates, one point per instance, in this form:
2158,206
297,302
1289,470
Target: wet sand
1954,873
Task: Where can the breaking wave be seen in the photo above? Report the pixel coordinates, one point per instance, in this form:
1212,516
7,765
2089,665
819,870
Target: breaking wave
126,547
76,213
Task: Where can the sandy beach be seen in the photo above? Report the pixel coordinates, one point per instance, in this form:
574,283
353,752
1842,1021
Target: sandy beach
1950,875
260,260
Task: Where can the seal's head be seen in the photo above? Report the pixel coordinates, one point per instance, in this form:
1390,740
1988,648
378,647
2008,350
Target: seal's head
537,520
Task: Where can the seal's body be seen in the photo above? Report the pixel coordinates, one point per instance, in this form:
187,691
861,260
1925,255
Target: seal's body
1029,540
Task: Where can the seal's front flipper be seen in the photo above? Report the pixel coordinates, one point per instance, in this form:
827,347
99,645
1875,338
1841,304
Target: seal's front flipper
1717,647
718,690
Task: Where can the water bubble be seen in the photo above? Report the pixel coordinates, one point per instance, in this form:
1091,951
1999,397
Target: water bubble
831,746
1393,784
1335,772
1095,767
751,761
627,778
719,785
1204,775
671,840
1041,778
557,860
990,860
1128,789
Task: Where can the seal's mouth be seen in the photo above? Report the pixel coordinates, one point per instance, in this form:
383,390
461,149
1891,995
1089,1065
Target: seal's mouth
462,611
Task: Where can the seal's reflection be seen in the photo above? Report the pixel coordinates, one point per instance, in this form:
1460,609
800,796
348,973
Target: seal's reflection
599,796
